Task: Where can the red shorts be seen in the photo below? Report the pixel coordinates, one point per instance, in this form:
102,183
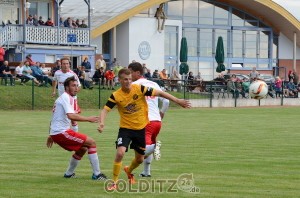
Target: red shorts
152,131
70,140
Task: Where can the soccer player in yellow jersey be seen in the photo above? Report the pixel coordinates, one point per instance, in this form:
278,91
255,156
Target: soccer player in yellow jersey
133,110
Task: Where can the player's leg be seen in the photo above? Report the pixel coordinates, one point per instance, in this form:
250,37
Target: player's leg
74,161
90,144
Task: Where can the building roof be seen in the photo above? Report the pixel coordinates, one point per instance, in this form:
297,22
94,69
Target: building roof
110,13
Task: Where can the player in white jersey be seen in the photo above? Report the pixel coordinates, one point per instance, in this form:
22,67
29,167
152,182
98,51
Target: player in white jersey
61,134
58,80
155,116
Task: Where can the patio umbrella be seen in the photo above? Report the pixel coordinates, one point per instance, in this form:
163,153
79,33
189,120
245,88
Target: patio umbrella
220,55
183,68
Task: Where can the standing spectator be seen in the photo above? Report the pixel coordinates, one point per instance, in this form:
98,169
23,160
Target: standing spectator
6,73
100,63
109,75
112,64
60,131
296,77
86,64
49,22
278,86
29,59
254,75
57,67
2,54
41,22
83,25
99,77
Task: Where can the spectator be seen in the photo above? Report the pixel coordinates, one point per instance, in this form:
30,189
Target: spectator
278,86
67,22
30,20
77,22
148,74
49,22
116,72
38,73
83,25
61,22
19,74
163,74
291,90
6,73
86,64
101,63
41,22
84,78
44,69
28,73
29,59
57,67
112,64
235,87
99,77
74,24
190,81
254,75
2,53
220,80
109,75
155,74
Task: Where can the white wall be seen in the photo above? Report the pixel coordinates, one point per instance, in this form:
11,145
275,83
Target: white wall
285,49
97,42
144,29
123,43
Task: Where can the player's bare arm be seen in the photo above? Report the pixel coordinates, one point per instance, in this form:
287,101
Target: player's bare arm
54,84
79,118
183,103
102,117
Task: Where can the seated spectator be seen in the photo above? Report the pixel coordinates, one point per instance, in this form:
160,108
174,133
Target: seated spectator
19,74
109,76
27,72
67,22
190,81
31,21
77,22
163,74
6,73
84,78
29,59
175,80
199,81
116,70
278,86
245,85
234,86
49,22
148,74
220,80
99,77
291,89
45,70
74,25
41,22
83,25
38,73
155,74
61,22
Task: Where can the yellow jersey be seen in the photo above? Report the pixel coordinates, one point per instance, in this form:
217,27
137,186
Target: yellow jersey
132,106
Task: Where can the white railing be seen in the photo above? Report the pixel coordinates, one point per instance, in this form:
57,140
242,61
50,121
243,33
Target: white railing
43,35
11,34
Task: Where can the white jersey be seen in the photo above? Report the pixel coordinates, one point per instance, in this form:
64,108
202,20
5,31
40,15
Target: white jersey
152,101
60,122
60,77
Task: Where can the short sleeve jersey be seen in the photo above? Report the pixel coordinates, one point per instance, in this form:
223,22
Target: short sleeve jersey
60,122
60,77
132,106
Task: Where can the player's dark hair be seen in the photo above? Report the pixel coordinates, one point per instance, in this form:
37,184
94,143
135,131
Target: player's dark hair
136,66
124,71
69,80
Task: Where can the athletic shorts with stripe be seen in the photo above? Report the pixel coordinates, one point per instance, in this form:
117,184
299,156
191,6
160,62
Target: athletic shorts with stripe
70,140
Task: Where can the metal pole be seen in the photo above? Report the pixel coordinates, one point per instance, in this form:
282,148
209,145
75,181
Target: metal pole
24,21
32,94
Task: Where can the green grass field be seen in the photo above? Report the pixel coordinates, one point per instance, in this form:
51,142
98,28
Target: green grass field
244,152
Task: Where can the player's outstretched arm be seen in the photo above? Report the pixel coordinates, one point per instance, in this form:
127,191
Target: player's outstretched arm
102,117
183,103
79,118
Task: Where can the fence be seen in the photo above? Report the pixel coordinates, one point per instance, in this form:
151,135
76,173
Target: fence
32,97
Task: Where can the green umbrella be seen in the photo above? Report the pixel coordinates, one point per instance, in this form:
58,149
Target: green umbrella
220,55
183,68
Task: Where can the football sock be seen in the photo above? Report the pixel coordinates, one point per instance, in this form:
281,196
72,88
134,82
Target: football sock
149,149
116,170
147,164
133,165
73,164
94,160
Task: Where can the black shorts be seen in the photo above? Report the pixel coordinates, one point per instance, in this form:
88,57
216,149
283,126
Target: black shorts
136,139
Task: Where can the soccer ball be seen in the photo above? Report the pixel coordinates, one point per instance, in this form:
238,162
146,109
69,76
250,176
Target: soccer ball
258,89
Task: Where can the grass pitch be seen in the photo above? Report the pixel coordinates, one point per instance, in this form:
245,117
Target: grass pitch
244,152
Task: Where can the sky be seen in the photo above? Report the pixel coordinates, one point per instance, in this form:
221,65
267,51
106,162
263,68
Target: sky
293,6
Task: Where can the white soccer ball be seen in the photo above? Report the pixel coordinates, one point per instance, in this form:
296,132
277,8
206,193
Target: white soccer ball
258,89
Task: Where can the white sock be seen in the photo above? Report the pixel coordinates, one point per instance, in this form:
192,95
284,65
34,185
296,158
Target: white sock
72,166
94,160
149,149
147,164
